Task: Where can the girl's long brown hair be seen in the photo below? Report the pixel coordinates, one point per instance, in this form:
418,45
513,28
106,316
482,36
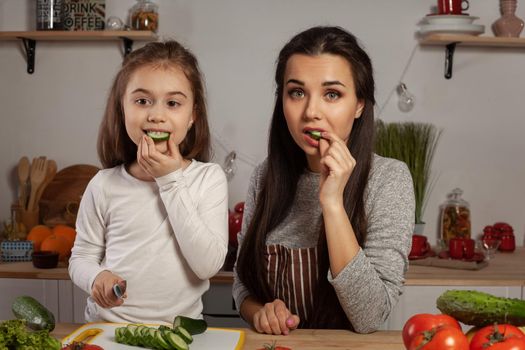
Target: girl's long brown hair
286,163
114,145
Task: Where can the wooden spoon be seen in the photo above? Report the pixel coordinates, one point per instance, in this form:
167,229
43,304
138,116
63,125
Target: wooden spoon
38,175
24,167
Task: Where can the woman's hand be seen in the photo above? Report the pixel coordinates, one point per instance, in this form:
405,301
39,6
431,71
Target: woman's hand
337,165
156,163
275,318
102,290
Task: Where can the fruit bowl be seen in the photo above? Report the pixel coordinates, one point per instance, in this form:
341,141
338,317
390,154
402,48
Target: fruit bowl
45,259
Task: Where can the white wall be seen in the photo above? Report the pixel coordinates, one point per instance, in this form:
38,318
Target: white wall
56,111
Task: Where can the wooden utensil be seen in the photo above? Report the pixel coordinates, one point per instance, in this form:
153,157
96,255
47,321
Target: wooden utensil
51,170
24,167
37,177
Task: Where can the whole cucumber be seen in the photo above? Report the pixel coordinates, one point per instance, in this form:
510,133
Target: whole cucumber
481,309
36,315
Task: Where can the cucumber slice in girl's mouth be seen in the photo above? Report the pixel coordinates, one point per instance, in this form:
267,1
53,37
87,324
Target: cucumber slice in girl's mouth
158,135
315,134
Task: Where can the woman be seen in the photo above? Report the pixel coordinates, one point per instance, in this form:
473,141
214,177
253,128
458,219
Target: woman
327,223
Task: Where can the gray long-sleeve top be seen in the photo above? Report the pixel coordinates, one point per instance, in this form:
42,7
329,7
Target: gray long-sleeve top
369,287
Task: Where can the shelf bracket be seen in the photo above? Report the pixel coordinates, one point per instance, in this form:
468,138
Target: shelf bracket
449,58
30,48
128,45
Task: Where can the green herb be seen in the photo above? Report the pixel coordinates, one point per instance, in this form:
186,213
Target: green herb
414,144
15,335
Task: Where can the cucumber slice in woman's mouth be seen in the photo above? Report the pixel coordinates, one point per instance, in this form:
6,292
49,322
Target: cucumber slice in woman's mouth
315,134
158,135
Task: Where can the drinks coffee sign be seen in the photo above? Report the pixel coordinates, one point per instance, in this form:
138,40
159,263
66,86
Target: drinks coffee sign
84,14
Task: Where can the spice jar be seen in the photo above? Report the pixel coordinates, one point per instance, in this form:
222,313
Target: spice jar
144,16
455,217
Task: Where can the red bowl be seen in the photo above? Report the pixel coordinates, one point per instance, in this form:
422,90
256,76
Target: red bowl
45,259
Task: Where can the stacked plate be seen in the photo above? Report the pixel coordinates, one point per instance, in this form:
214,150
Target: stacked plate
451,24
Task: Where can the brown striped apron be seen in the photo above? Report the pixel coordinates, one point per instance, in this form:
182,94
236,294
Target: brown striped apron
292,277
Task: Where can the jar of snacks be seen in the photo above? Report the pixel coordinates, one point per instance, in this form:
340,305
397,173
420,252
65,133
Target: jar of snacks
144,15
455,217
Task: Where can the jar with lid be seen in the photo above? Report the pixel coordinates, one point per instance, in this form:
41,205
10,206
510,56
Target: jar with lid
455,217
144,15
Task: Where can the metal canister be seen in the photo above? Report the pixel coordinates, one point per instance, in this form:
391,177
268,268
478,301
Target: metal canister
49,14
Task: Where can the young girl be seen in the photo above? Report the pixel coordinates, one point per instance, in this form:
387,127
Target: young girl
154,221
327,223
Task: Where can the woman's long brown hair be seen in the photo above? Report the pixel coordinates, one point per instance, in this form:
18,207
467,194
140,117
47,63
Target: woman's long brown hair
286,163
114,145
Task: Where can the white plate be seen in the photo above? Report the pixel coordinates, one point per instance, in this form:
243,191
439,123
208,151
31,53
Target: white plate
449,19
471,29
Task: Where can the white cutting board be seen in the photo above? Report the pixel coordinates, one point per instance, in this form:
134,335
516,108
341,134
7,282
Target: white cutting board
212,339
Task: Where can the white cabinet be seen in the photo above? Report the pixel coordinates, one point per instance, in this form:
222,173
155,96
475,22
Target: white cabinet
422,299
61,297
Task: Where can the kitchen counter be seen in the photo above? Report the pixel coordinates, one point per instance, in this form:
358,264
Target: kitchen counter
304,339
506,269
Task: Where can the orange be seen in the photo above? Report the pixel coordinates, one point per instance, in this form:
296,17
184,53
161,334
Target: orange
65,231
58,244
37,234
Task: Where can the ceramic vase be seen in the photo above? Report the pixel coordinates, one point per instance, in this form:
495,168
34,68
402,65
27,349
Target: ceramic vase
508,25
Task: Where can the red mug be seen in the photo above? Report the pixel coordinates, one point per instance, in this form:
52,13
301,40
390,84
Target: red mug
452,7
420,245
455,248
469,246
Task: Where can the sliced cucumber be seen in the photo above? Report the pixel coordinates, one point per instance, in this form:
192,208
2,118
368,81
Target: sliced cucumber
158,135
175,340
315,134
161,341
184,334
192,325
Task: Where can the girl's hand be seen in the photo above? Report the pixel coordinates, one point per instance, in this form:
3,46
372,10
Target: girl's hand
156,163
337,165
275,318
102,290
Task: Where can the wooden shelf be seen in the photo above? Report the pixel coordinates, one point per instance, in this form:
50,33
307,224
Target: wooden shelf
450,41
94,35
29,38
470,40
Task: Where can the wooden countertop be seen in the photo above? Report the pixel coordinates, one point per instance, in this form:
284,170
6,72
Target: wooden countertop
506,269
304,339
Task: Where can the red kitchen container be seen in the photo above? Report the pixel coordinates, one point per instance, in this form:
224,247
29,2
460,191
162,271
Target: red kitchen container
508,242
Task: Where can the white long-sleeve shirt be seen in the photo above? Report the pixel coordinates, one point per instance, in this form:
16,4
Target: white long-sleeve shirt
166,238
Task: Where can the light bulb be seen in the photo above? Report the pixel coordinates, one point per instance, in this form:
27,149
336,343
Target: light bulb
406,99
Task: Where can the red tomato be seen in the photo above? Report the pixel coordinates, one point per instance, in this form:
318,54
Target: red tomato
440,338
498,337
81,346
425,322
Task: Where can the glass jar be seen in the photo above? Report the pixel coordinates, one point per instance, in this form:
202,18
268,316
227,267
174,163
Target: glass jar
455,217
144,15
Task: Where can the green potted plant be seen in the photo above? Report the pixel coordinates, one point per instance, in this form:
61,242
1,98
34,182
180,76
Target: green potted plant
414,144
